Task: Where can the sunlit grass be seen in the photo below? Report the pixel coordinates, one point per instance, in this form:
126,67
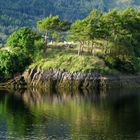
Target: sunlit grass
61,57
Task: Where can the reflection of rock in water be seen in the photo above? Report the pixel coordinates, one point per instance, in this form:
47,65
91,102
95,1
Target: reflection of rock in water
16,83
37,96
82,107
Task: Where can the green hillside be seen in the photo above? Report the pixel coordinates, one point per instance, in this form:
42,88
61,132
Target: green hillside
18,13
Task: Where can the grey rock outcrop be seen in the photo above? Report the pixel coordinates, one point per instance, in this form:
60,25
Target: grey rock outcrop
59,78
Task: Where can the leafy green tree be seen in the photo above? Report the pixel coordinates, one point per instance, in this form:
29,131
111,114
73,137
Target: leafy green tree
131,21
12,63
28,12
86,30
51,25
78,33
120,33
24,39
122,30
123,63
94,28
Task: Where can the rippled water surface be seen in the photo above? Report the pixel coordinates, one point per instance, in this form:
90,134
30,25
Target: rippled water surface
85,115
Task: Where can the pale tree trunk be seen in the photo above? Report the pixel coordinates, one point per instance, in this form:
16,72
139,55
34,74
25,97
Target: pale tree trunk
82,47
46,38
46,43
79,48
92,47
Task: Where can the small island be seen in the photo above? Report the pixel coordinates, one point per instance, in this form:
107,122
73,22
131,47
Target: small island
100,51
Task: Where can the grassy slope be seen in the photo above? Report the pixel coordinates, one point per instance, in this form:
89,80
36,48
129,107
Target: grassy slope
61,57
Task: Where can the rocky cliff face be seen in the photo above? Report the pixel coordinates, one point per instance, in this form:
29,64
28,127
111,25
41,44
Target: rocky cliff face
53,78
59,78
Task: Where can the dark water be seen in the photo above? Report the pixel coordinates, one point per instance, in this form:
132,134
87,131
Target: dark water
42,115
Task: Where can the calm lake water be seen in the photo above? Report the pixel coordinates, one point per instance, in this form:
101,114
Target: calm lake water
46,115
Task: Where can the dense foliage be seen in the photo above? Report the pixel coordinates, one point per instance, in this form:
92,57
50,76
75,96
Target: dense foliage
53,27
23,48
106,42
19,13
12,63
118,32
25,39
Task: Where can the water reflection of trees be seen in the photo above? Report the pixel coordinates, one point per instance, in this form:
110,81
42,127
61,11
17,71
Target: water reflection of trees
16,114
87,113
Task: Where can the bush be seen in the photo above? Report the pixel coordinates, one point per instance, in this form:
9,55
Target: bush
12,63
128,64
123,63
40,47
26,40
110,61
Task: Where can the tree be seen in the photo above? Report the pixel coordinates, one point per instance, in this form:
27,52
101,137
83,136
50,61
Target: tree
131,21
12,63
86,30
78,33
121,29
95,27
52,24
111,26
24,39
119,33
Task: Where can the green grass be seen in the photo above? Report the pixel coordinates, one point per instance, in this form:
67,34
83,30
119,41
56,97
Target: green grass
61,57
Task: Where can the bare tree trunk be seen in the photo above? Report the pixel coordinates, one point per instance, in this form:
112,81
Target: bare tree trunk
92,47
46,38
79,48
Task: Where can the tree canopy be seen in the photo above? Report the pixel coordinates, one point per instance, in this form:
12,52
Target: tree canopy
52,25
24,39
24,46
118,31
115,34
12,63
19,13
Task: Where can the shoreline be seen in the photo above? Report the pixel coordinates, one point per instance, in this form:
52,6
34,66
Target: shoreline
55,78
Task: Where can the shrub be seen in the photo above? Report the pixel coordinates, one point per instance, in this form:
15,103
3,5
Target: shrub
128,64
110,61
26,40
12,63
123,63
